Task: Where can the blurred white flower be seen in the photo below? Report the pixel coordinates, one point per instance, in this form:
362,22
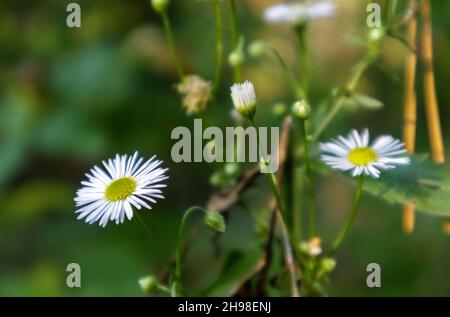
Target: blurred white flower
299,12
354,153
110,193
312,247
244,98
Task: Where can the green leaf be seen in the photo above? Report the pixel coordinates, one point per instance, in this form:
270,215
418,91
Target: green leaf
402,40
366,101
421,182
237,268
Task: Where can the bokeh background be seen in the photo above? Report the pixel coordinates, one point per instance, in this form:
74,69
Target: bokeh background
70,98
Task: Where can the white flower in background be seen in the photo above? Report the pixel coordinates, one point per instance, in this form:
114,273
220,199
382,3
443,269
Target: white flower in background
354,153
125,182
299,12
244,98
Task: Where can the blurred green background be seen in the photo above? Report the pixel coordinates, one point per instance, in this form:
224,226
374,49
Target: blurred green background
70,98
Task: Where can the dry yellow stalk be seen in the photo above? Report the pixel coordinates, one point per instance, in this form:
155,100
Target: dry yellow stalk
432,111
410,114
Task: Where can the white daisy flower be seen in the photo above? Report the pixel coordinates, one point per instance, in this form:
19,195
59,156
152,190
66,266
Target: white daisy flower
244,98
299,12
125,182
354,153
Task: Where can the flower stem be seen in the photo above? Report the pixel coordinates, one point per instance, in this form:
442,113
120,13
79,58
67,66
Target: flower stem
288,240
235,38
295,85
219,43
181,231
170,41
309,183
151,241
347,91
351,216
301,31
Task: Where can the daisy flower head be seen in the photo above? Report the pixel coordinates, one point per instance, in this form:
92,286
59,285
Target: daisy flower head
353,153
110,193
297,13
244,98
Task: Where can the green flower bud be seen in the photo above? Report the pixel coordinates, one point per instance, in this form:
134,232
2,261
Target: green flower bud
328,264
215,221
376,34
301,109
257,49
231,168
149,284
160,5
236,58
279,109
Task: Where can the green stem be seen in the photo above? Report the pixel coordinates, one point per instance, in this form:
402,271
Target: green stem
164,289
355,206
295,85
288,240
235,38
181,231
151,242
309,183
297,208
301,31
347,91
219,43
169,36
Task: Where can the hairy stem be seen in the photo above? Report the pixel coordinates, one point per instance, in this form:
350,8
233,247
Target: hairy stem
219,43
237,71
309,183
351,216
170,41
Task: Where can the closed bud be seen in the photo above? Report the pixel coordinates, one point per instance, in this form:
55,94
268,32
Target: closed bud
301,109
236,58
149,284
257,48
376,34
279,109
160,5
215,221
328,264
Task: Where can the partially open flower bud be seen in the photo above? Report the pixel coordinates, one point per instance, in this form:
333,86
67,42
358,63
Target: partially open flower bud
215,221
244,99
301,109
160,5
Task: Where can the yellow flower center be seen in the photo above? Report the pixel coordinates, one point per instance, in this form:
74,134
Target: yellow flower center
362,156
120,189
